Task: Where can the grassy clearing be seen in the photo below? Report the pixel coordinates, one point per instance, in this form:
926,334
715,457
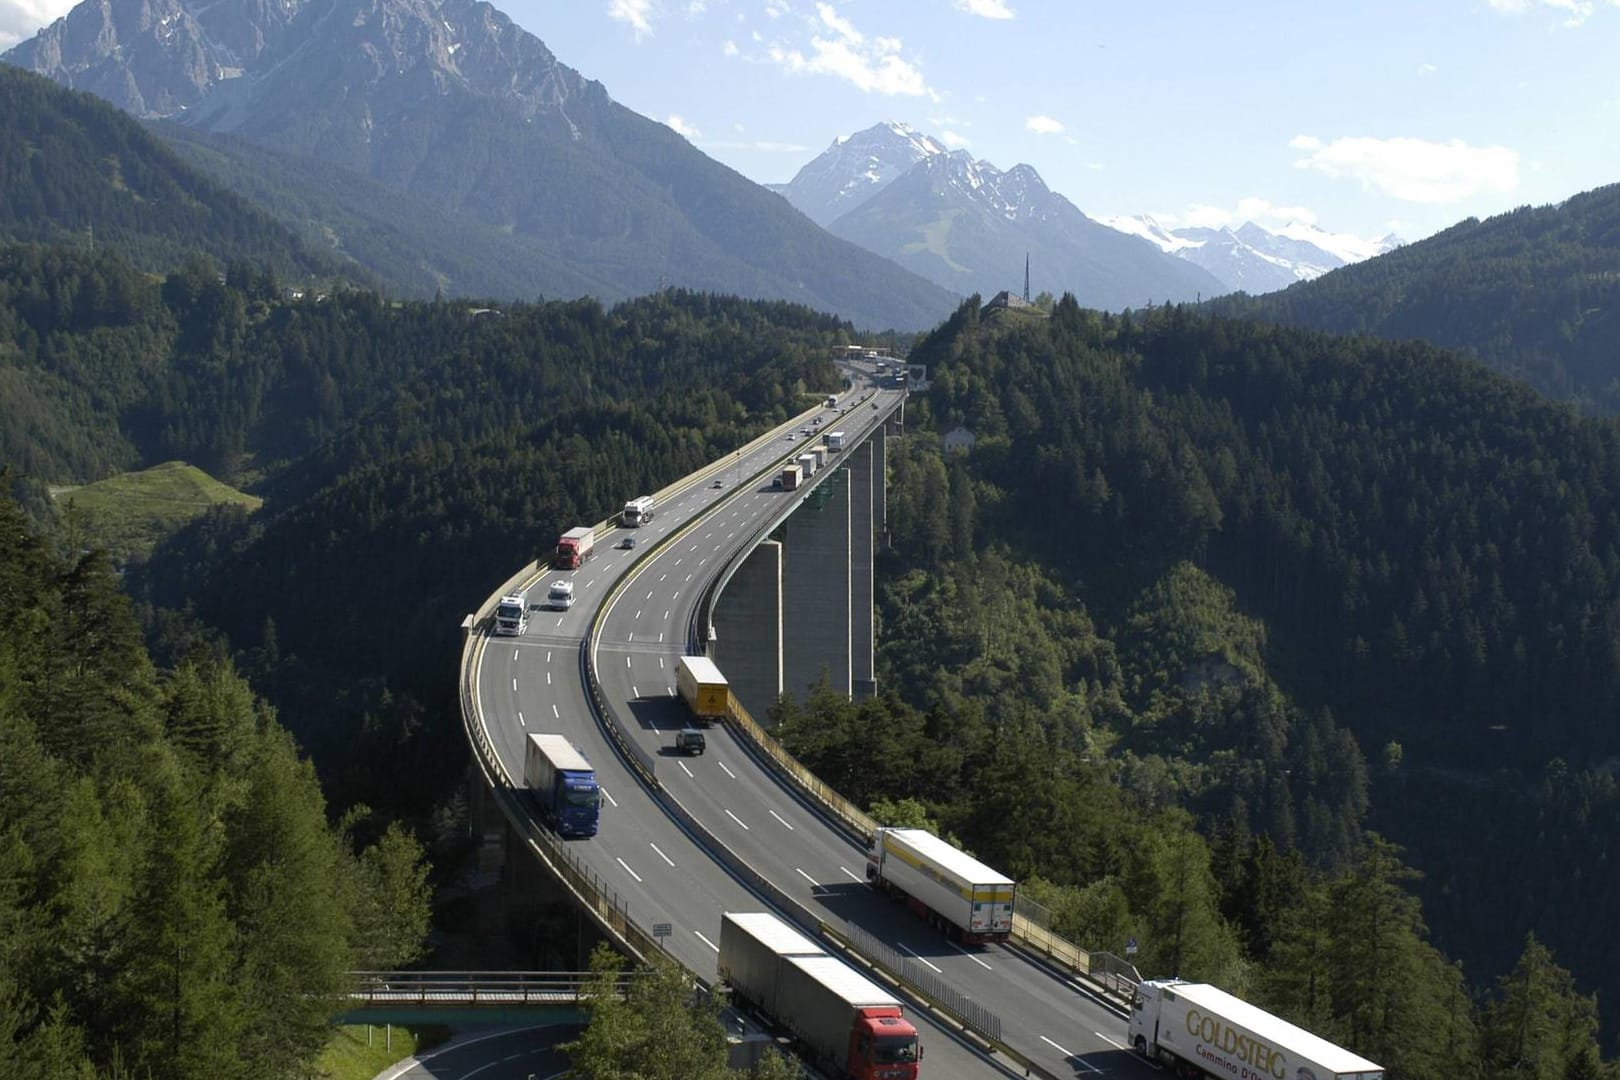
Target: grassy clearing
128,514
348,1057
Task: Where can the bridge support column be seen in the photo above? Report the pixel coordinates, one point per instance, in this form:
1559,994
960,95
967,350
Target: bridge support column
865,498
748,630
816,590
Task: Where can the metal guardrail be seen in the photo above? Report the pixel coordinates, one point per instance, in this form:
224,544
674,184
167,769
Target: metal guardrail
926,984
390,989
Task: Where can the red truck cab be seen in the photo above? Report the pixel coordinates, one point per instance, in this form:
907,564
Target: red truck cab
883,1045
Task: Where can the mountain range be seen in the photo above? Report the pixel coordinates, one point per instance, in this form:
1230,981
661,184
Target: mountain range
969,226
453,104
962,222
1252,258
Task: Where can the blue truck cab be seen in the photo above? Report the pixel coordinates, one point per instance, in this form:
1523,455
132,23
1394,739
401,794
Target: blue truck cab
564,784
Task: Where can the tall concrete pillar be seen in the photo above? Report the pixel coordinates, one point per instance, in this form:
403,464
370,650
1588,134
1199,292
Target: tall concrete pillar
880,490
863,497
816,590
748,630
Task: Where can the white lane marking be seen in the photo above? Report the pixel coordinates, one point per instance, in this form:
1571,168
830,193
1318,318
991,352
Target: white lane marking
514,686
780,818
677,563
661,577
633,691
514,656
1059,1049
521,722
548,678
849,873
660,637
632,635
702,561
707,942
1109,1041
666,616
591,582
917,956
672,694
817,884
719,763
559,620
674,598
688,577
649,594
608,797
661,855
737,819
660,663
629,871
548,656
627,661
638,613
555,713
969,955
684,769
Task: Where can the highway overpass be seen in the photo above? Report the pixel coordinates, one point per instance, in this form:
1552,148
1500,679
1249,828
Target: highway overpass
683,840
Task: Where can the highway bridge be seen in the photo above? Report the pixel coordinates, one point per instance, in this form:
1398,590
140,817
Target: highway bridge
740,827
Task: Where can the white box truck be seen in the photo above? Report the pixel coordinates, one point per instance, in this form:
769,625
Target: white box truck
807,465
949,888
1201,1027
638,511
512,614
844,1023
835,441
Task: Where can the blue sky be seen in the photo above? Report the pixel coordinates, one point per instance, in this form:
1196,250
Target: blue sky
1362,116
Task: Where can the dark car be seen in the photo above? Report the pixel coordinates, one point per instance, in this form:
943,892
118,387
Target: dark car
628,542
690,741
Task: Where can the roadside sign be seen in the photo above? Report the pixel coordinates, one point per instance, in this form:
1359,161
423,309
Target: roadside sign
661,929
1130,946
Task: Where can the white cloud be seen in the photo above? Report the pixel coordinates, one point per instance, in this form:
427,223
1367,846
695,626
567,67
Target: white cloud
838,24
1575,12
986,9
1427,69
875,65
636,14
1413,170
776,8
683,129
1261,210
1043,125
953,139
730,48
22,19
1201,216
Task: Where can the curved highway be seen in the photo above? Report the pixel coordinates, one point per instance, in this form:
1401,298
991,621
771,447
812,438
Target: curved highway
536,683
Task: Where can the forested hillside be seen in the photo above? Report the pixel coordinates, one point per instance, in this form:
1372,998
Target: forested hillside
1300,586
1534,293
545,417
173,900
75,170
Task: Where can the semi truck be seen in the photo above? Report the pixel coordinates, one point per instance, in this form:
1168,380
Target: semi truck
512,614
835,441
574,547
560,596
832,401
638,511
702,687
949,888
1202,1028
842,1022
564,784
791,475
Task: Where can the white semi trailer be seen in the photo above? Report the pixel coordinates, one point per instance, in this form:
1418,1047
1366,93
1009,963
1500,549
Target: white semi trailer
943,884
1201,1030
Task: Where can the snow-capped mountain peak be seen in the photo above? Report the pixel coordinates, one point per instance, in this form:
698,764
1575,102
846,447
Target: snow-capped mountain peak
1253,258
856,167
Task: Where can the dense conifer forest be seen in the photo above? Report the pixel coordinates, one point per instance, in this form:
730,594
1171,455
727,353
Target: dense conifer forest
1534,293
1298,642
